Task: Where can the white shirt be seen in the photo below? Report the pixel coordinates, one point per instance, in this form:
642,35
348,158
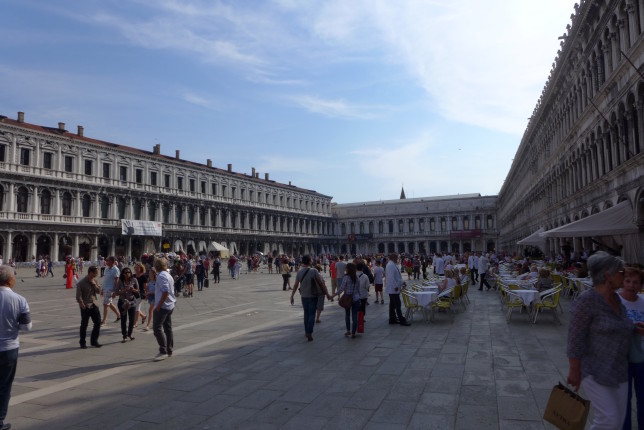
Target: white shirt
14,316
440,266
394,279
483,264
165,284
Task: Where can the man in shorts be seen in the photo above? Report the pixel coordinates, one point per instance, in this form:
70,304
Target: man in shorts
378,281
112,274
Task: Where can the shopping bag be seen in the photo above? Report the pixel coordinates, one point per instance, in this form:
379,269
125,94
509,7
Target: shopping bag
566,410
360,322
206,283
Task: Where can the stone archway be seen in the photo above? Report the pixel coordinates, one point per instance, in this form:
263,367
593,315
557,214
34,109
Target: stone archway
20,248
103,246
84,248
64,247
43,246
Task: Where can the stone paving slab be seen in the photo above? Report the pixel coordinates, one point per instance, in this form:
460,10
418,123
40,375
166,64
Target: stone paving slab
241,361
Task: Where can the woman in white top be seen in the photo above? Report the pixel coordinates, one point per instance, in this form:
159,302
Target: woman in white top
449,282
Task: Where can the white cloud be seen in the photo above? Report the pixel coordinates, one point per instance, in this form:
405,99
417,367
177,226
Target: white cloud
197,100
338,108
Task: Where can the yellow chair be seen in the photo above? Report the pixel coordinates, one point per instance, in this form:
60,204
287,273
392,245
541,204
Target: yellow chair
466,288
411,305
550,300
443,301
512,302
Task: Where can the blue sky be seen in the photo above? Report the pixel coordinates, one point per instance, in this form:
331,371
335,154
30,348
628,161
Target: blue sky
350,98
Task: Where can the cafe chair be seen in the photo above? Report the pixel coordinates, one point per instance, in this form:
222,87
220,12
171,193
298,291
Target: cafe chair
411,304
549,300
445,300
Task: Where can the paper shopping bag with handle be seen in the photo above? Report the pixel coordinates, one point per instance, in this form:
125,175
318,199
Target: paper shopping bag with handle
566,409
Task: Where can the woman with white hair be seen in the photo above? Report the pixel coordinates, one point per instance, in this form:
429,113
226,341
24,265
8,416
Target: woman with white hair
599,337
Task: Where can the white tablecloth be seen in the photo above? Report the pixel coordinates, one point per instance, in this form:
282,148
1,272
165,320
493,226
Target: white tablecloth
428,287
424,298
527,296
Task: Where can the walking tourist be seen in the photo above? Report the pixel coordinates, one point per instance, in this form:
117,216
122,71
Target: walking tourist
286,276
634,304
190,275
127,290
14,316
378,281
216,267
200,272
112,275
350,285
340,269
312,289
473,264
164,303
86,292
599,338
142,281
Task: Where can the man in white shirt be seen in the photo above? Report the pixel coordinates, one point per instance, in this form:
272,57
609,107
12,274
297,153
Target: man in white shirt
394,285
484,264
14,316
164,303
439,265
473,264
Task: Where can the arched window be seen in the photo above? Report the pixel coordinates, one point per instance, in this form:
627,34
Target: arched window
391,226
443,224
137,209
343,229
152,211
352,228
191,215
22,201
87,205
121,208
477,222
432,224
166,214
490,222
370,227
361,228
400,225
466,223
178,211
105,207
381,227
45,202
410,222
67,204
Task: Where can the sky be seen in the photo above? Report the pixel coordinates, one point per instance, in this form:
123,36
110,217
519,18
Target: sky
353,99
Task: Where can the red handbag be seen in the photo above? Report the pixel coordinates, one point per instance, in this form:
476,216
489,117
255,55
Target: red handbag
360,322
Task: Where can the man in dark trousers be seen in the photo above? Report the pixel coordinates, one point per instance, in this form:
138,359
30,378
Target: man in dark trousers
86,292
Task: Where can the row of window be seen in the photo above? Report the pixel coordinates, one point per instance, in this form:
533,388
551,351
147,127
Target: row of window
411,225
245,220
154,180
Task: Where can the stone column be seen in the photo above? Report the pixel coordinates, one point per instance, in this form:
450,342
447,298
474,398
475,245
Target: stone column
112,246
633,30
35,202
53,252
128,247
75,246
11,203
33,245
94,252
9,253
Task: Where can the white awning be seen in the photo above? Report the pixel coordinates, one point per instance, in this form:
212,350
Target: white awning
214,246
614,221
535,239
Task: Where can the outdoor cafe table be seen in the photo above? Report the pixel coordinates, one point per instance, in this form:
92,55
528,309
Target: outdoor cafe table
527,296
427,287
425,298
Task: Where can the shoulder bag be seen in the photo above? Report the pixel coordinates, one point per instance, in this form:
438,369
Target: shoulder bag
346,300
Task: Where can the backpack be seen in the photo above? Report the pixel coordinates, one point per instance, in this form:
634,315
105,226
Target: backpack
369,273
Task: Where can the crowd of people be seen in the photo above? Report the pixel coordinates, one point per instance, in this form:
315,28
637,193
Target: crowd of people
605,344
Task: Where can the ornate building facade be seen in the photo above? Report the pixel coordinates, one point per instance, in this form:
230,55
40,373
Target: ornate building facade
457,224
62,193
583,149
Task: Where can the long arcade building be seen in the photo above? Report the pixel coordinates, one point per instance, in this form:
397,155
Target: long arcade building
63,193
580,166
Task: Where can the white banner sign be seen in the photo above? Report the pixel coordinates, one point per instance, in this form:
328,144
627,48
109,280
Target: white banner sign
132,227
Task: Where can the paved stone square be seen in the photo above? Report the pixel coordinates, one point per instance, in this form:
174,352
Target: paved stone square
241,361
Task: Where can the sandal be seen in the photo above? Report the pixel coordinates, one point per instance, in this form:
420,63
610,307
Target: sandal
143,319
347,334
131,338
